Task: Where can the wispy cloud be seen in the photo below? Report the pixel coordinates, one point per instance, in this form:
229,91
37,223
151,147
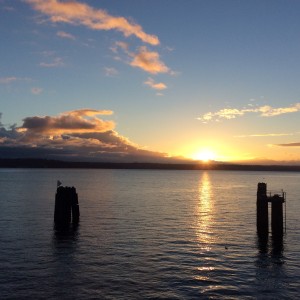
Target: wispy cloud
268,111
65,35
56,62
147,60
121,45
265,135
263,111
13,79
155,85
7,80
77,13
36,90
8,8
289,145
110,72
47,53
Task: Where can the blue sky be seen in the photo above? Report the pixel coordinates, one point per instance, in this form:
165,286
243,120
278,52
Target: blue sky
188,78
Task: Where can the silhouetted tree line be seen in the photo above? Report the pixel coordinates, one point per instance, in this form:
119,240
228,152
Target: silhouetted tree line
45,163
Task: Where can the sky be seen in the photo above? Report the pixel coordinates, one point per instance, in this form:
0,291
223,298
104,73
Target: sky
153,81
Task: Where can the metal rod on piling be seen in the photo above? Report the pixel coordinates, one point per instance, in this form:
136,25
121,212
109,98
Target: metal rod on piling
284,194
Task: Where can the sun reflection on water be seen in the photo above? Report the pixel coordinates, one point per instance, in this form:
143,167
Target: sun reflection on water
204,230
204,212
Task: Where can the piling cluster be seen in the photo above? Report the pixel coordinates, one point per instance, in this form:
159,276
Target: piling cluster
66,206
276,201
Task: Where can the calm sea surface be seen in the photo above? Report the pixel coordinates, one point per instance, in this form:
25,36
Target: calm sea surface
146,234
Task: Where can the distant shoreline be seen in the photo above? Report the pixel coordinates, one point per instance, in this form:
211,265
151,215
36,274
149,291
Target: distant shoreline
57,164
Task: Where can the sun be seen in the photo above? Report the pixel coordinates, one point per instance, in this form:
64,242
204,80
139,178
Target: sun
205,155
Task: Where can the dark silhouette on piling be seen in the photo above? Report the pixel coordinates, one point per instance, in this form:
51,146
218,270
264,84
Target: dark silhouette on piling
66,207
276,201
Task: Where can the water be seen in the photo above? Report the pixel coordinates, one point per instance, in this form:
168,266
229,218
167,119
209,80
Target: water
145,234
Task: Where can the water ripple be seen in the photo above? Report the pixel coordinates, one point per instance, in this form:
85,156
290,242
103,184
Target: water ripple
145,235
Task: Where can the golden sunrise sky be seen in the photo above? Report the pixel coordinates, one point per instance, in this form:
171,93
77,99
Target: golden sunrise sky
140,80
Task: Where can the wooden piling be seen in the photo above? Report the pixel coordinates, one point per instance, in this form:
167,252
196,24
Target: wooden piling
276,201
262,220
277,215
66,206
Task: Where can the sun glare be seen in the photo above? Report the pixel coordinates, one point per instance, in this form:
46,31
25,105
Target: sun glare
205,155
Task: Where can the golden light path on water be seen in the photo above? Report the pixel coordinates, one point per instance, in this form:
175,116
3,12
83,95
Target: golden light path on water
205,209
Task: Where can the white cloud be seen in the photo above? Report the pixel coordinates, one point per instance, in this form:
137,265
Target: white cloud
263,111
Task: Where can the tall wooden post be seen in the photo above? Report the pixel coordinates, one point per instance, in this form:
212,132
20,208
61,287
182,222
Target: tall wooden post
262,220
277,215
66,205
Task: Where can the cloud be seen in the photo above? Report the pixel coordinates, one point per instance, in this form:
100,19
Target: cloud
47,53
79,135
263,111
148,61
77,13
12,79
265,135
157,86
289,145
36,90
7,80
65,35
110,72
8,8
77,121
268,111
56,62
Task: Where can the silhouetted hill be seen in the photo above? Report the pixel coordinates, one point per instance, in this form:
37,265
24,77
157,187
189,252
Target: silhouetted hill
45,163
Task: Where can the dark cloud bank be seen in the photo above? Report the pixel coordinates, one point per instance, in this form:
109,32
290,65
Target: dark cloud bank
79,135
